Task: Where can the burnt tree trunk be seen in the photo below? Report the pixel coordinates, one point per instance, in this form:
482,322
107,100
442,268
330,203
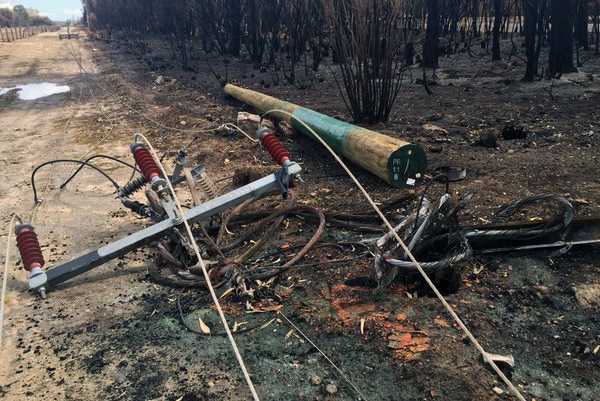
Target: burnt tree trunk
235,17
475,17
560,58
432,34
597,25
496,33
581,24
253,27
530,14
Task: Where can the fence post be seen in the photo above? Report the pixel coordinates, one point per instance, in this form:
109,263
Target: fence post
12,33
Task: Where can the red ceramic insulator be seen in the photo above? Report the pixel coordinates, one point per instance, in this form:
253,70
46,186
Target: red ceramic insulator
146,162
275,148
29,248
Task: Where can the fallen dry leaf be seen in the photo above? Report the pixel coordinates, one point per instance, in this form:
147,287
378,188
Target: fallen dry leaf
203,327
266,309
580,201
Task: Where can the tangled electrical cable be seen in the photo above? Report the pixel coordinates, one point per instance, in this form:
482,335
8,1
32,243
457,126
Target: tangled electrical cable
174,257
433,231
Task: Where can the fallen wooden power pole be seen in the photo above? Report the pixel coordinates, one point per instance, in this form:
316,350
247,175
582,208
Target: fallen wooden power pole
399,163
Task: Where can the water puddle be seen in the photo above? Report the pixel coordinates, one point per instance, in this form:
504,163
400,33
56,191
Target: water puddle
36,91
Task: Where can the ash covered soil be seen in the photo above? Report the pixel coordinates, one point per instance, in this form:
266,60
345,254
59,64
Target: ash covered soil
112,334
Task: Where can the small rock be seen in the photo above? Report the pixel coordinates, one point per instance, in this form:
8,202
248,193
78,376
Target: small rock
159,80
433,127
285,129
248,122
316,380
331,389
498,390
588,295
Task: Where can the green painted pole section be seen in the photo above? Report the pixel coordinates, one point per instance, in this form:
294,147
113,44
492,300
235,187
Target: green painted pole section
399,163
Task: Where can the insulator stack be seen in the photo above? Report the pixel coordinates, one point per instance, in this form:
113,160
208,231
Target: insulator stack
29,247
145,161
274,146
207,185
133,186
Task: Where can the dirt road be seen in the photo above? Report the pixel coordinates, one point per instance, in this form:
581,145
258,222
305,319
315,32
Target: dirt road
67,222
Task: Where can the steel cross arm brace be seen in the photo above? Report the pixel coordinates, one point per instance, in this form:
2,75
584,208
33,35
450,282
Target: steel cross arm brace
84,263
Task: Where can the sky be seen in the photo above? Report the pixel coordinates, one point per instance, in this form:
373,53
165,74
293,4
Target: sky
58,10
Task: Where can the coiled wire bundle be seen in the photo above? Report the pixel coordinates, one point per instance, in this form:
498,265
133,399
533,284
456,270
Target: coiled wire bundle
435,231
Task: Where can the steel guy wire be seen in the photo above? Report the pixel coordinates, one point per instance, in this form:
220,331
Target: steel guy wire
430,283
209,285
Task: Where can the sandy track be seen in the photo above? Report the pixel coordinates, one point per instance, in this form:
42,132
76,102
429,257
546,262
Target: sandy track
68,223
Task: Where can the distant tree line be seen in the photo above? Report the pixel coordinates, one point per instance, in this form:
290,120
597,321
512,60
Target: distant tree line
20,16
373,41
